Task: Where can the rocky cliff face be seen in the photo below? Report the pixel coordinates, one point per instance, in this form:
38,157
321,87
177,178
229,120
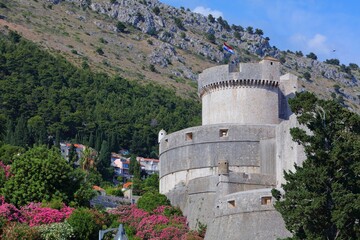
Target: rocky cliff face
181,43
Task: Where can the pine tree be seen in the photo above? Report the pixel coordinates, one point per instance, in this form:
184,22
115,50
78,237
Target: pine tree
321,199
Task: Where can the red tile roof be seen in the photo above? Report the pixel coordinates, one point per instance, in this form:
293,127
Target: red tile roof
97,188
127,185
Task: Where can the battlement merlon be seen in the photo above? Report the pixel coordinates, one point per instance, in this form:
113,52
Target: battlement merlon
267,70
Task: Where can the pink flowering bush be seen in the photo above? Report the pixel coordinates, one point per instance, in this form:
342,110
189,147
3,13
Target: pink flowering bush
36,215
33,214
130,215
163,223
10,212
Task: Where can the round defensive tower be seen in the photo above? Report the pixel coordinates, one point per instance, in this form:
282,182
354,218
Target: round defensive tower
243,94
222,173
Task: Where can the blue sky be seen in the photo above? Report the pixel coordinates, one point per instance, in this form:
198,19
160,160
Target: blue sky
318,26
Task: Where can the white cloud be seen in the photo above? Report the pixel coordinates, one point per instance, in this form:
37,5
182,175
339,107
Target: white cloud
206,11
317,44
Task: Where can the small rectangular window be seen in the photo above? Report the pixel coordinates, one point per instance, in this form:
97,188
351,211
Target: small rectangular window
188,136
266,200
223,132
231,204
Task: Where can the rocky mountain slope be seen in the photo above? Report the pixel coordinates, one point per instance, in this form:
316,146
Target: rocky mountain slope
145,40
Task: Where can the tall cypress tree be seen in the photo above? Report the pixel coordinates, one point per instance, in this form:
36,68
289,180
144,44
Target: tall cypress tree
103,165
21,136
91,142
9,132
114,143
99,139
321,199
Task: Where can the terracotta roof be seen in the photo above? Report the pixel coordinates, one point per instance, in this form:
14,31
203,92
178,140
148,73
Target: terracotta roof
127,185
75,145
97,188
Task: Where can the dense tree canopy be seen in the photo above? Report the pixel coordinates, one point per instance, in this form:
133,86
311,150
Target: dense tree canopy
44,98
321,199
40,174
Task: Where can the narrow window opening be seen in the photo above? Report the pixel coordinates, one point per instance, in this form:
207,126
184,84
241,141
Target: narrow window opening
188,136
271,63
231,204
266,200
223,132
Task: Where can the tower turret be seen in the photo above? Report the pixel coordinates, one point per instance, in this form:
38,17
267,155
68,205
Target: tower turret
246,93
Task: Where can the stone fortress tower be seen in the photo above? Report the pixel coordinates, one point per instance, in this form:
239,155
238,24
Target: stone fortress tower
221,173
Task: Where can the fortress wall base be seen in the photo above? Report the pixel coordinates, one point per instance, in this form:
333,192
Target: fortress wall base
247,226
246,215
196,200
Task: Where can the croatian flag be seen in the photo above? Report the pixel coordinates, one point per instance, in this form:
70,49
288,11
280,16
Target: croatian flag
228,48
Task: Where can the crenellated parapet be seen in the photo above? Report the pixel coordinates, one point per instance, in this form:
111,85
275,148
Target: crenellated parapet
238,83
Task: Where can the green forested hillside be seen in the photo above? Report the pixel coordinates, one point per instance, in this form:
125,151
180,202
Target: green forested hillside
44,97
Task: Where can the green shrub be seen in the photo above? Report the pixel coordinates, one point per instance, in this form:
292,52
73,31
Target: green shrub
3,223
120,27
16,231
172,211
178,23
312,55
151,200
259,31
237,35
55,203
152,68
211,37
156,10
211,18
333,61
100,51
115,191
56,231
250,30
86,223
83,195
307,75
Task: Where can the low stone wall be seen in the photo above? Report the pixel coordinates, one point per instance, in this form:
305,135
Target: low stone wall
246,215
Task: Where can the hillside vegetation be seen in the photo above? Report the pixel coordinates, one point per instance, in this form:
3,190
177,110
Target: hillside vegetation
45,98
151,41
